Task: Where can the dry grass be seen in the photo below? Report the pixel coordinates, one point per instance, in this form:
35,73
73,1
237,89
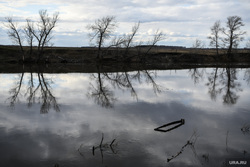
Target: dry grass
12,53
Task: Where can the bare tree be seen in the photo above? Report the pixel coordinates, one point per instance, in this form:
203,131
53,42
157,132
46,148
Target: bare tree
198,44
214,37
233,33
45,27
41,32
101,30
15,34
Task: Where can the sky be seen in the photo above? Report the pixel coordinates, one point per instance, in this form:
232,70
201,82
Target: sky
182,21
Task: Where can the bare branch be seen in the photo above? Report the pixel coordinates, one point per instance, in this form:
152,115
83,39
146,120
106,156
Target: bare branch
129,38
158,36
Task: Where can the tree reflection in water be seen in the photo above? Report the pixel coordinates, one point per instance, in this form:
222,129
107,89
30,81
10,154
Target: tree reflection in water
40,92
101,93
197,74
104,96
220,80
191,142
231,86
247,76
15,91
213,83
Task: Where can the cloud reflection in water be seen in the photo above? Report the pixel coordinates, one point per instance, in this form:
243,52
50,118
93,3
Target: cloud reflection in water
29,138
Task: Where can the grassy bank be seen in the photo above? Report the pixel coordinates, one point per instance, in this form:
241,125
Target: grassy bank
11,54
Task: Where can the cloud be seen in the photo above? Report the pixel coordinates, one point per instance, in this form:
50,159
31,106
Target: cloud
186,17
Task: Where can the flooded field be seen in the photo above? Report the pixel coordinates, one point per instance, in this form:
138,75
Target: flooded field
189,117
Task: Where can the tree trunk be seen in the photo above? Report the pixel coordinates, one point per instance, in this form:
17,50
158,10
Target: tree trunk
229,51
99,46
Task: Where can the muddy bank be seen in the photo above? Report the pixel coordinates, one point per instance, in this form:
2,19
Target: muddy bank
110,67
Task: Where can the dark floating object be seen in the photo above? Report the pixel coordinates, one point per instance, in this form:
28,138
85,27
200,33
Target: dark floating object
104,146
177,123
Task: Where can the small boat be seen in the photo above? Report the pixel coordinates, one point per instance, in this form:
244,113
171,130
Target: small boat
176,123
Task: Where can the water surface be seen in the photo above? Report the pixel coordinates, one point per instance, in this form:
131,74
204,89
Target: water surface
109,119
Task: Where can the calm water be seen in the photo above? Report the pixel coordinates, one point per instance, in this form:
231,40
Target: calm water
108,119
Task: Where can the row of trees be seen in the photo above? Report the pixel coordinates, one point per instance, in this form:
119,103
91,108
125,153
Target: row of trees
102,29
40,34
101,32
228,37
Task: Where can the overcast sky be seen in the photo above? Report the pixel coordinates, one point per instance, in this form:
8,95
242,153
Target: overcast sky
181,20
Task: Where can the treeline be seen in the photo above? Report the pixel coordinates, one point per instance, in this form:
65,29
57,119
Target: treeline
38,34
228,37
101,31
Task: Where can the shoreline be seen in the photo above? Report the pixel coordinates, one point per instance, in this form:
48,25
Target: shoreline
85,57
109,68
